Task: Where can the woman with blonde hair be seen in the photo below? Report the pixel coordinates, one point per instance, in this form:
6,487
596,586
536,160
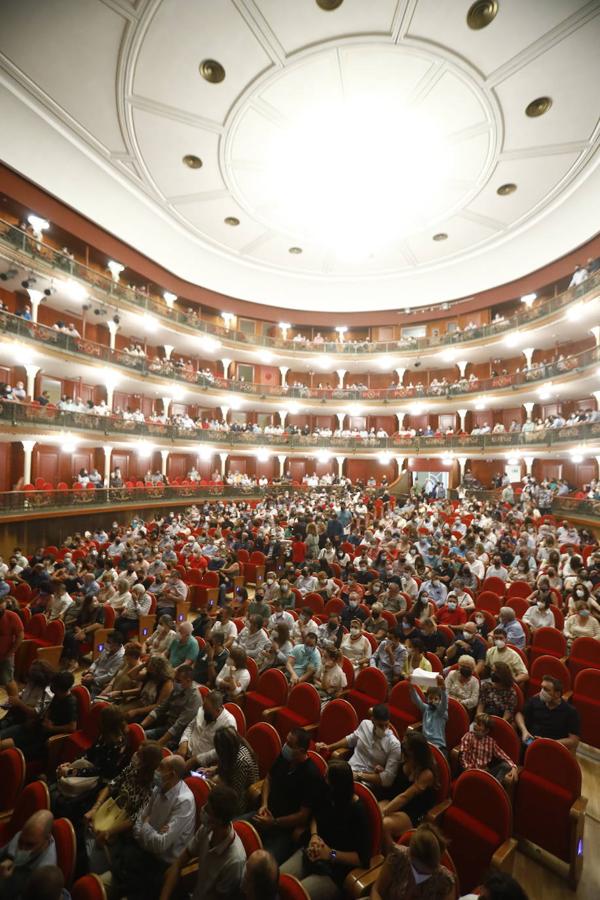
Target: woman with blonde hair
415,872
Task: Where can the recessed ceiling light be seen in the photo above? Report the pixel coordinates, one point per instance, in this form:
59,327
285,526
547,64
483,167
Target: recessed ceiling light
212,71
295,250
441,236
329,5
191,161
232,220
481,14
538,107
506,189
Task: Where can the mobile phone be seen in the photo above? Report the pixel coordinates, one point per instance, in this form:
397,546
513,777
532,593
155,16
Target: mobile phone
198,775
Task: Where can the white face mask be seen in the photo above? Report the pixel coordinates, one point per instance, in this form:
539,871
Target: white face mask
541,606
545,696
419,876
500,644
355,631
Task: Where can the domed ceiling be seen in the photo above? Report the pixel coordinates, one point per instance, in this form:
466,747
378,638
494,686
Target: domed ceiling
315,154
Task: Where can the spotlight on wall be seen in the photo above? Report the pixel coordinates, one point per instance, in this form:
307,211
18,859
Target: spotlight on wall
10,273
29,282
116,319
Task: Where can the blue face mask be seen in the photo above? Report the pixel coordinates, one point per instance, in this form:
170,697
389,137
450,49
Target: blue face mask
287,752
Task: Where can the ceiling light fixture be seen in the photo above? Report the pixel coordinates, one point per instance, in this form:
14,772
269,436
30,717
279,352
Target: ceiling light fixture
295,251
447,460
68,445
440,236
354,410
329,5
212,71
513,461
538,107
481,14
505,189
191,161
265,356
232,220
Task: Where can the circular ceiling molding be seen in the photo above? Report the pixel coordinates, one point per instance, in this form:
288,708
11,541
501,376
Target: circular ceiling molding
481,14
191,161
212,71
538,107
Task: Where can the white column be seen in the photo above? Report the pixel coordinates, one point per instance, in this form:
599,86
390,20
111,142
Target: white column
462,366
28,448
107,454
282,417
401,417
400,370
462,463
226,364
340,418
164,456
283,371
528,460
340,461
36,298
282,458
166,402
224,412
170,299
340,375
110,395
399,464
31,373
223,458
596,396
462,413
529,408
596,332
113,327
528,354
168,348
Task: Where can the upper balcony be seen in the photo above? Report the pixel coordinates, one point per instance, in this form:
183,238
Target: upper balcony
21,248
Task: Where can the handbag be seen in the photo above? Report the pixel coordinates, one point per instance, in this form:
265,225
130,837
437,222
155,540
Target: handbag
109,815
75,786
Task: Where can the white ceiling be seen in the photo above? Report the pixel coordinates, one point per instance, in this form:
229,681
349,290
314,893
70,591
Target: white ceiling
355,135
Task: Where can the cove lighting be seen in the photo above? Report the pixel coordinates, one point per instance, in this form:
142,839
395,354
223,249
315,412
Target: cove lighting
209,345
149,323
385,458
323,456
293,409
323,363
68,446
513,461
205,454
447,460
74,290
144,450
263,455
577,457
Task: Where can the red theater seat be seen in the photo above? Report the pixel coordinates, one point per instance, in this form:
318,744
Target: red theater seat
403,711
548,642
585,654
271,690
370,688
338,719
266,744
33,797
303,710
586,700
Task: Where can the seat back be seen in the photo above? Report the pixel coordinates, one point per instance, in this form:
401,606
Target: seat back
547,665
586,699
548,642
319,762
305,701
373,683
82,696
266,743
248,835
494,584
337,720
314,602
444,776
585,654
403,711
211,579
200,788
476,824
238,715
66,848
91,722
291,889
518,589
37,625
548,785
488,601
457,724
506,737
373,815
89,887
55,633
446,860
12,777
135,737
519,604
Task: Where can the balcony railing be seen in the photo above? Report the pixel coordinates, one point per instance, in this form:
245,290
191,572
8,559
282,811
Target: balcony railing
26,415
41,334
568,506
113,293
30,501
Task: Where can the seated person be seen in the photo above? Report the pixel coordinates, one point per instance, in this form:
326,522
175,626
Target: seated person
515,634
211,659
331,633
198,740
167,722
137,605
466,643
479,750
356,646
122,680
375,624
31,848
451,613
407,869
252,637
462,684
497,695
161,831
304,661
88,617
434,712
105,667
234,678
224,623
547,715
501,653
390,656
184,649
30,704
376,750
214,838
415,656
331,679
339,837
434,641
414,789
59,717
261,877
154,683
303,625
290,794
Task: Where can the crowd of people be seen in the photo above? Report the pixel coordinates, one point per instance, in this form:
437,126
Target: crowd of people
399,584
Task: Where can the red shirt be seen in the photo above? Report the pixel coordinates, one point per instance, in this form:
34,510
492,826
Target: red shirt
447,616
11,629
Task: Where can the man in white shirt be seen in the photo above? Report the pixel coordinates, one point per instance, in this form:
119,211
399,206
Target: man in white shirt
161,831
197,741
